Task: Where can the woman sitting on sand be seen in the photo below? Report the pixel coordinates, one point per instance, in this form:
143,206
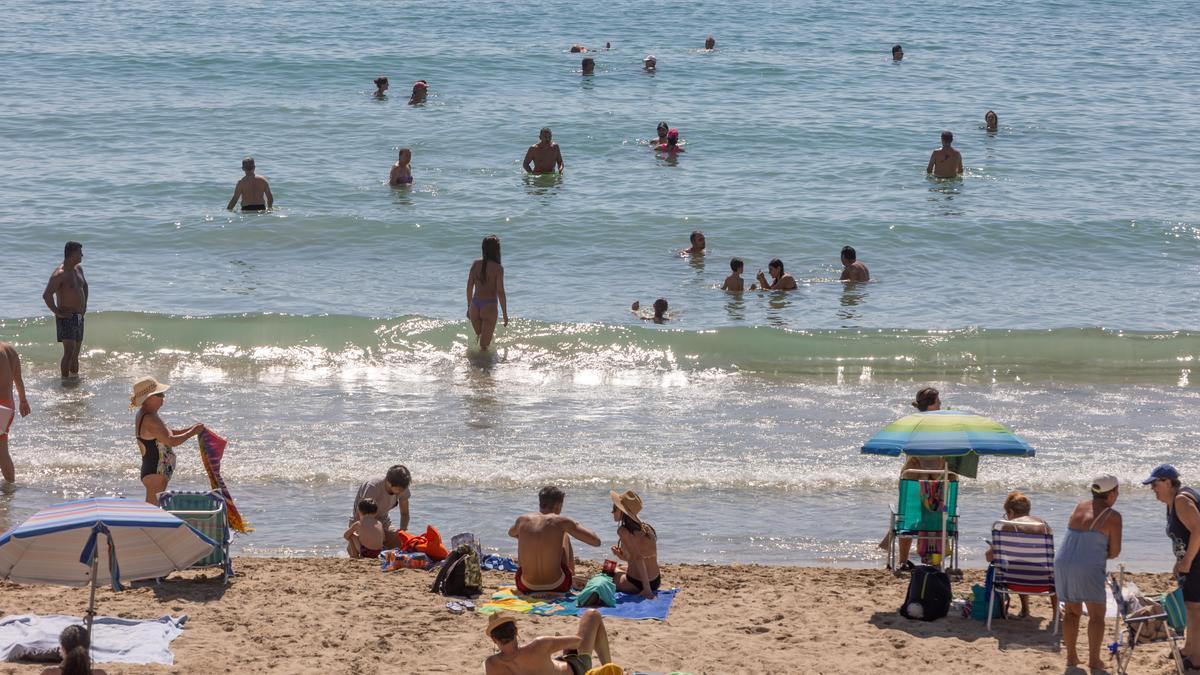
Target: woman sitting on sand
73,643
1093,536
1016,509
154,439
638,547
485,288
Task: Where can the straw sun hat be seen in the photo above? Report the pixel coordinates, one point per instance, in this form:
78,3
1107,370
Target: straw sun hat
496,620
628,502
144,389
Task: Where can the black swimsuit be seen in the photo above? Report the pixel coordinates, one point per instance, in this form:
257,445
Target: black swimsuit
150,453
654,583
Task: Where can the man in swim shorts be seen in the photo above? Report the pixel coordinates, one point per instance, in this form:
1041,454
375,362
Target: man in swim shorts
254,191
543,156
388,492
945,162
537,656
10,376
66,295
547,562
853,269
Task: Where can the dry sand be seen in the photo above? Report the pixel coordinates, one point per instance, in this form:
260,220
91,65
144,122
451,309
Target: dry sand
328,615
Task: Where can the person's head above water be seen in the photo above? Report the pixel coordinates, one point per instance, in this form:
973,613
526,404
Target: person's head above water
775,267
649,63
737,265
578,49
697,239
673,137
589,65
849,255
419,91
405,156
663,130
660,308
991,120
927,399
947,138
550,499
545,134
381,84
897,52
710,42
248,165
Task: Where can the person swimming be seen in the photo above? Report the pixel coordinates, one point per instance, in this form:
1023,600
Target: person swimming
650,63
897,53
401,174
589,65
381,86
990,121
420,91
660,311
662,131
945,162
710,43
672,145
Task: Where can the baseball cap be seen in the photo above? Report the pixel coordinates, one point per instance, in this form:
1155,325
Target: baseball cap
1105,483
1162,471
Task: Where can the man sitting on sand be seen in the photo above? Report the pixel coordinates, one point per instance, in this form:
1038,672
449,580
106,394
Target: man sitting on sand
546,562
945,162
254,191
537,656
386,492
853,269
543,156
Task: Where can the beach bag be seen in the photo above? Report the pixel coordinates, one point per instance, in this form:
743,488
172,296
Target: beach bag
928,596
460,574
979,599
599,591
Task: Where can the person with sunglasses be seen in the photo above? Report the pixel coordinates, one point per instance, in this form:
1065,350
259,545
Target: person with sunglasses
1183,527
155,441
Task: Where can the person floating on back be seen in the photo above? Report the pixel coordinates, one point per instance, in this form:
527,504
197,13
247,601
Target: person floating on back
66,295
10,377
366,534
253,190
734,281
990,121
945,162
485,290
710,43
897,53
401,174
381,86
543,156
420,91
660,311
853,269
578,49
589,65
780,280
546,559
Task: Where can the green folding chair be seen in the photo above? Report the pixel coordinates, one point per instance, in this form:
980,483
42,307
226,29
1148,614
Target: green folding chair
1129,628
913,518
206,512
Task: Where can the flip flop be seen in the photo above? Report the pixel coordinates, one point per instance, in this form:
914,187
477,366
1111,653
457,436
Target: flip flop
455,607
467,605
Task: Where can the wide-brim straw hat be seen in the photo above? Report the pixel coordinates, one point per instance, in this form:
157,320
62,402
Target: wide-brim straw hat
144,389
498,619
628,502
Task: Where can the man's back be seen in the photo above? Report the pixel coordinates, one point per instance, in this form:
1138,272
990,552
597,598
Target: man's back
540,546
254,189
946,162
533,658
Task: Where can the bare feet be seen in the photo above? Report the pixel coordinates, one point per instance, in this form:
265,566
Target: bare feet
1098,666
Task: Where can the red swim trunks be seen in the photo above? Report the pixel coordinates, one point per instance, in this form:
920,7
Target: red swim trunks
7,412
368,552
561,587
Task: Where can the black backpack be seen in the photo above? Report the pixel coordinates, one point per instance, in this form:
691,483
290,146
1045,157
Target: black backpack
460,574
929,588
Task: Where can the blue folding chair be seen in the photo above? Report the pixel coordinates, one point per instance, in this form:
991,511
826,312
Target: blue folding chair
205,511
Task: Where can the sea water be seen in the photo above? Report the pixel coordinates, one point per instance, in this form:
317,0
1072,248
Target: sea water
1053,288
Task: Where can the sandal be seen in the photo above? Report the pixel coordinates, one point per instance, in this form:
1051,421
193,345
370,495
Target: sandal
455,607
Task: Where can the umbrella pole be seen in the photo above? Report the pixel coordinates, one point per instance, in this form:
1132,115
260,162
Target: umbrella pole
91,610
945,508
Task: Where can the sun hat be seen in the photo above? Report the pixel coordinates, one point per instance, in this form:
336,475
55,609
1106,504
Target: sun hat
1103,484
144,389
496,620
1162,471
628,502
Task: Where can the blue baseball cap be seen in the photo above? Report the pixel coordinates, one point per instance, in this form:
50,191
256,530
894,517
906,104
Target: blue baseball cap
1162,471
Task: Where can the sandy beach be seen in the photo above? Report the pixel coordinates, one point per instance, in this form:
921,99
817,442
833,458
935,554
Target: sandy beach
329,615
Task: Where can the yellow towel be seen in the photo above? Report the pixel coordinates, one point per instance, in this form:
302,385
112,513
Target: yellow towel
610,669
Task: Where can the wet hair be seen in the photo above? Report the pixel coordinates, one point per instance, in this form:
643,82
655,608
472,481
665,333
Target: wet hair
402,151
695,233
897,48
368,506
736,264
549,497
947,137
925,399
379,81
849,253
663,126
505,632
660,307
588,62
1017,504
71,247
247,163
398,476
73,642
776,262
545,130
491,252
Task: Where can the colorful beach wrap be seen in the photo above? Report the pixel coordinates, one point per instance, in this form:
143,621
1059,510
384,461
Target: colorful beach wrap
212,449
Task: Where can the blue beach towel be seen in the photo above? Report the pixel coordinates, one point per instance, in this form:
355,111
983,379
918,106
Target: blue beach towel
636,607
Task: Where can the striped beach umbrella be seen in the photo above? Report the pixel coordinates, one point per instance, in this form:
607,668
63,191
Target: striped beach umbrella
946,433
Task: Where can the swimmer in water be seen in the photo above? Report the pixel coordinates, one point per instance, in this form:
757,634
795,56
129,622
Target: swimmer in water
381,86
991,121
780,280
650,64
734,281
710,43
589,65
660,311
252,190
672,145
401,174
578,49
663,130
853,269
897,53
945,162
697,247
543,156
419,91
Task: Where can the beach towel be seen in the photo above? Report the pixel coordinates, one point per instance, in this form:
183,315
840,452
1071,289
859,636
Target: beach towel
113,640
394,559
507,600
212,449
633,606
933,496
497,563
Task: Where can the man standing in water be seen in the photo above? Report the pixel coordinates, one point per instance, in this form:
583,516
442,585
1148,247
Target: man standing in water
254,191
945,162
66,295
853,269
543,156
547,562
897,53
10,376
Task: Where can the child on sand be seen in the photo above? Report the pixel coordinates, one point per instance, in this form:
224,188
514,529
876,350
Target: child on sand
402,170
734,281
366,533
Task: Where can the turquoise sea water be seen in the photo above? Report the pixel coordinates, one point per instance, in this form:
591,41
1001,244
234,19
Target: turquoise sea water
1054,287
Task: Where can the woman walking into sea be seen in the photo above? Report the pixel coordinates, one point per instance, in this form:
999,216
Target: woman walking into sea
485,289
154,439
1093,536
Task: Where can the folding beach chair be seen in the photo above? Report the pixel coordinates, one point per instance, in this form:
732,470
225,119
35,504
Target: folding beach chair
1023,564
206,512
1130,628
915,517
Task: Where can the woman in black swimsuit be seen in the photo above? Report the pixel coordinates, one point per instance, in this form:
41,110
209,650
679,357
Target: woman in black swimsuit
154,439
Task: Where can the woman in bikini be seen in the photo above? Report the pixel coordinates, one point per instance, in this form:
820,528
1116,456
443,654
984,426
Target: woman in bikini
154,439
638,547
485,289
401,173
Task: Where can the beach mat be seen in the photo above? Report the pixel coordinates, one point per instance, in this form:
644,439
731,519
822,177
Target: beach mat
629,606
636,607
113,640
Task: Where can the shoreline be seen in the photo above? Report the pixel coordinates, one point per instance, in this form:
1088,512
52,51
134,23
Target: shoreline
331,615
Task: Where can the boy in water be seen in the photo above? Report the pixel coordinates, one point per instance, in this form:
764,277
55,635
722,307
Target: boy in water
366,533
660,311
945,162
734,281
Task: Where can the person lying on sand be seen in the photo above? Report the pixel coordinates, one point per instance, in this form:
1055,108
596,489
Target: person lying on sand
366,533
660,311
390,491
537,656
638,547
546,562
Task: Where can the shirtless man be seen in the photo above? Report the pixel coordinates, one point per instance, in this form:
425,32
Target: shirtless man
543,156
780,280
945,162
10,376
536,657
697,244
66,295
546,562
710,43
589,65
852,268
252,189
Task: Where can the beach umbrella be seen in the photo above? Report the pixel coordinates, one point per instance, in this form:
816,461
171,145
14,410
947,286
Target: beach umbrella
77,543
